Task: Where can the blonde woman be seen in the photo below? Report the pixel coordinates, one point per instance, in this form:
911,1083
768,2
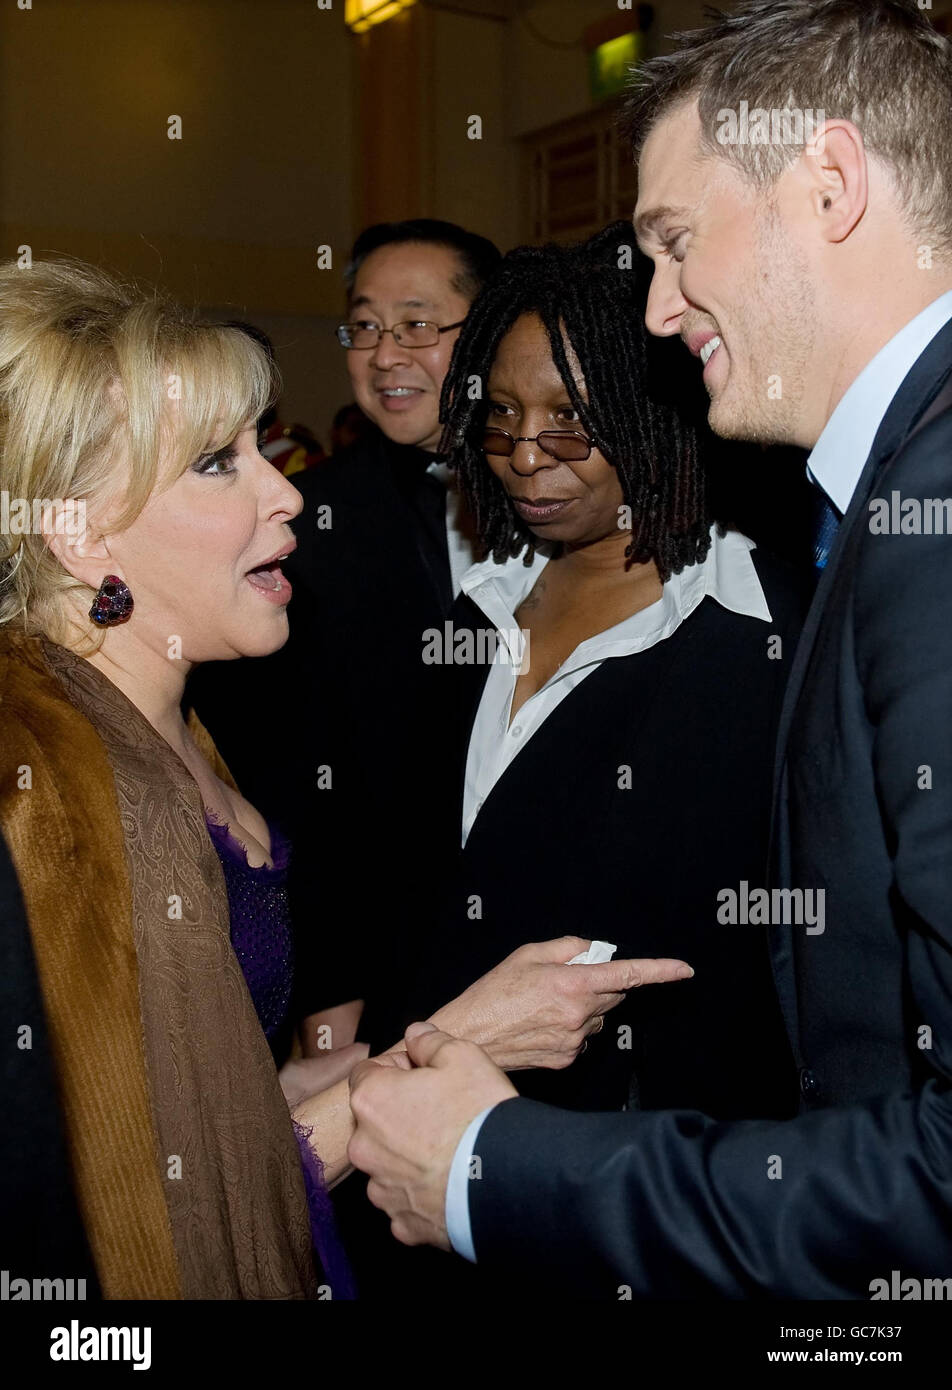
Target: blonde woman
145,535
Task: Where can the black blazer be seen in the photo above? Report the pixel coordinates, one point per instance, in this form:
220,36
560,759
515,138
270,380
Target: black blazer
672,1204
641,795
43,1236
350,693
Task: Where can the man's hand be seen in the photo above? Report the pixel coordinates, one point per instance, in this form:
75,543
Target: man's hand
410,1122
536,1010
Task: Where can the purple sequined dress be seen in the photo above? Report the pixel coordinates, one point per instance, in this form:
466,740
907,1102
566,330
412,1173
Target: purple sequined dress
262,940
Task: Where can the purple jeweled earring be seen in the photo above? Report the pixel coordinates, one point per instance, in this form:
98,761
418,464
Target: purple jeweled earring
113,603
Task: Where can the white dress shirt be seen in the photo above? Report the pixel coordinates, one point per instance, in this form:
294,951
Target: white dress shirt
727,575
835,464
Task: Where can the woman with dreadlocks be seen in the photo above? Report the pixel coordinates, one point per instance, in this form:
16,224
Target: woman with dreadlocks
616,768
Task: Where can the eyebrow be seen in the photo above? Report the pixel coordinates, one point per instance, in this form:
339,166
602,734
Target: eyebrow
363,299
648,221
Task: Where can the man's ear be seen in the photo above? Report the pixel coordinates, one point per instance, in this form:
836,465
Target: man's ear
835,163
80,551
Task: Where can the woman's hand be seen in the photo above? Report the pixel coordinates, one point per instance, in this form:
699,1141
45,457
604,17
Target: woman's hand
307,1076
535,1010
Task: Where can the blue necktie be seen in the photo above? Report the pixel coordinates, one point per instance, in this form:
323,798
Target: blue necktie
826,523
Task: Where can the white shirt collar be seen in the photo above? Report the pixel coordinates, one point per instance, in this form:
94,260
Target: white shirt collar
727,575
844,446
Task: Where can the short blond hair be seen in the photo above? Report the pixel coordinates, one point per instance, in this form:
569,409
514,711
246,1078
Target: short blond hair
107,391
881,64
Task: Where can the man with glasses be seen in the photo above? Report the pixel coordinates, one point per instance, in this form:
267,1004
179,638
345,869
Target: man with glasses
410,285
381,546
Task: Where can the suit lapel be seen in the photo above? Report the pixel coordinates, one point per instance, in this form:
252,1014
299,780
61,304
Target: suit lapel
920,387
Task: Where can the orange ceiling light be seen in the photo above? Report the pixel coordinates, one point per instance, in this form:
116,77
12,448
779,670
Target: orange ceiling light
361,15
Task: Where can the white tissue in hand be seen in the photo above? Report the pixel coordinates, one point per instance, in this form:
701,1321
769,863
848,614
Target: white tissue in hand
597,954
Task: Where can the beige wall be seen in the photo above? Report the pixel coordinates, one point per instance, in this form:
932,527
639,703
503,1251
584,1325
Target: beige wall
521,76
471,181
419,78
552,77
236,208
550,81
294,133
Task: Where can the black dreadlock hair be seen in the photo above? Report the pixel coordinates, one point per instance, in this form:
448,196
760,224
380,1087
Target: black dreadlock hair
644,430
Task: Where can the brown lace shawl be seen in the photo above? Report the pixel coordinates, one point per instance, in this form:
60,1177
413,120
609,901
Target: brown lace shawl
184,1159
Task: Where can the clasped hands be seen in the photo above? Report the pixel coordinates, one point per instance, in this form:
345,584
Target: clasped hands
412,1107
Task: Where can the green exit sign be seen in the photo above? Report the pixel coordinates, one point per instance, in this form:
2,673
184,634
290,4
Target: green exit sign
608,64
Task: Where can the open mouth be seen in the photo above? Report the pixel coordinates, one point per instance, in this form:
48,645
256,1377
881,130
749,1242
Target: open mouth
709,349
269,581
398,397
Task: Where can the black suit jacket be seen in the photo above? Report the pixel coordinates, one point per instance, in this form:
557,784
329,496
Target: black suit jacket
337,736
675,1204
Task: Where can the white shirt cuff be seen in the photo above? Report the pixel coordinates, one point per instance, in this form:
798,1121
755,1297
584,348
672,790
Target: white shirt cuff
458,1226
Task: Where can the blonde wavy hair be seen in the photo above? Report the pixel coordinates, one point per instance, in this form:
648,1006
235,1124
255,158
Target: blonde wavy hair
108,391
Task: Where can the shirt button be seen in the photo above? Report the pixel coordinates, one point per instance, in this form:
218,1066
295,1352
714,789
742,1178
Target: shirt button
517,730
809,1084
